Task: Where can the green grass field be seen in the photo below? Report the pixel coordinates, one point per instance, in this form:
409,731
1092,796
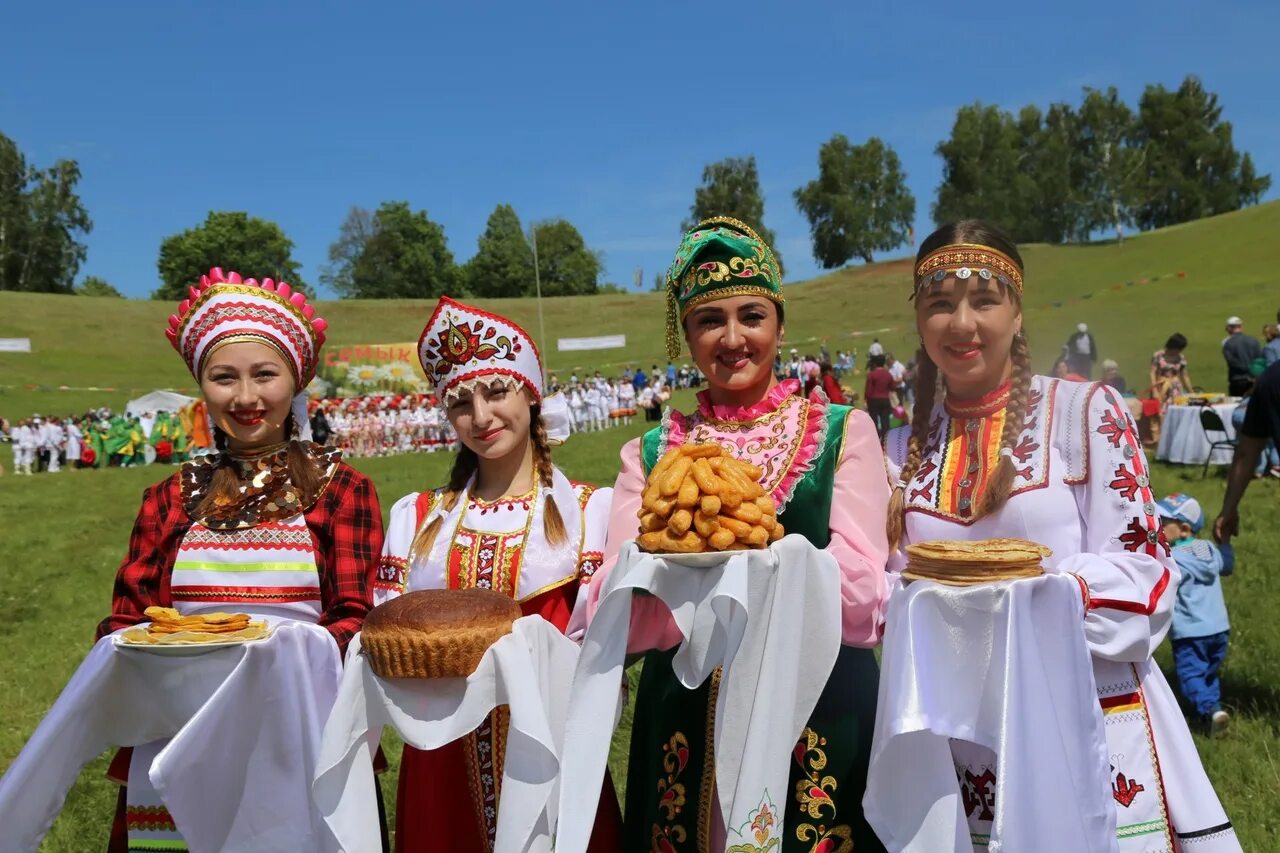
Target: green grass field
64,536
61,537
1229,264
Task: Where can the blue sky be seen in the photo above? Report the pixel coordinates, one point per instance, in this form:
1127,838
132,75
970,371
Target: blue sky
603,113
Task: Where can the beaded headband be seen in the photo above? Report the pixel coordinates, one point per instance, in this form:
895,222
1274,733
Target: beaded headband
968,259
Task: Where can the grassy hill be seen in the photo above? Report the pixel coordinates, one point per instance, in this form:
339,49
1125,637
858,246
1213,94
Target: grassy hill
1132,295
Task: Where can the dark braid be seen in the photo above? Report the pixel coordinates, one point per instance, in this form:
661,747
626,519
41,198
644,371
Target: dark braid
926,393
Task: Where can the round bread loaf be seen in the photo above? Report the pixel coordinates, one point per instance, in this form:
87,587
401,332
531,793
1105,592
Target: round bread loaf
435,633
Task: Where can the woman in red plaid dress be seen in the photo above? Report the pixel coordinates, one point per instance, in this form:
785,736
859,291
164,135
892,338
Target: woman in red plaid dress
270,524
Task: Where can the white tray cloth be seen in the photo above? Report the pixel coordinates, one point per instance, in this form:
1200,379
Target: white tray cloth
771,618
245,724
1005,666
529,670
1183,441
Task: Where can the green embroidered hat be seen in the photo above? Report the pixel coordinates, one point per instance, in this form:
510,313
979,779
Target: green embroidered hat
721,257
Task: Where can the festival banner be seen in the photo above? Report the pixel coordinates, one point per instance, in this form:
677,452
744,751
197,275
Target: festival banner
352,370
602,342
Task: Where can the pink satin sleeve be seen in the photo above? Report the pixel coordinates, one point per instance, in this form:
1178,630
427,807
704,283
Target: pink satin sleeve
859,543
651,624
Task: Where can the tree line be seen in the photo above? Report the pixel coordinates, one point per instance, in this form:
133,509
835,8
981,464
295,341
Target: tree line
1064,173
393,252
1067,173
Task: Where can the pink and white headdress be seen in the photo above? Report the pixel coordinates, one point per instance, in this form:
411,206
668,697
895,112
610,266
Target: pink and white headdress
224,308
462,346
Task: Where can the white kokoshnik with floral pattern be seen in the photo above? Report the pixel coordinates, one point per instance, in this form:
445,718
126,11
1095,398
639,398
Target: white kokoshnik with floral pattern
462,345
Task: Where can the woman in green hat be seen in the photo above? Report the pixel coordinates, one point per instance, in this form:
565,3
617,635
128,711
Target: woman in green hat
824,468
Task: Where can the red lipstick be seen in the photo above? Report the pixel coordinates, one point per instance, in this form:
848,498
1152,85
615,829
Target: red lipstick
964,352
249,418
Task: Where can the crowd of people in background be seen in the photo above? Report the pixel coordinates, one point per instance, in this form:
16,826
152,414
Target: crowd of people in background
97,439
381,425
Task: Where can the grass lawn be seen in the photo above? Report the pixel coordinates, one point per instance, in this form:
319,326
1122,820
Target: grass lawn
63,536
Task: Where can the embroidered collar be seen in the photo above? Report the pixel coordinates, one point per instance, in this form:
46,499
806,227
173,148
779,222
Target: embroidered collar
505,500
783,434
772,401
265,493
981,407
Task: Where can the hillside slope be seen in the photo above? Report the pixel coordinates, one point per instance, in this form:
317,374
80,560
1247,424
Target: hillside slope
1131,295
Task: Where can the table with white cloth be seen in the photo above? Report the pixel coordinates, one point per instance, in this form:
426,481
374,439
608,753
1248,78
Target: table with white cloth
770,618
244,724
528,670
1183,440
1005,666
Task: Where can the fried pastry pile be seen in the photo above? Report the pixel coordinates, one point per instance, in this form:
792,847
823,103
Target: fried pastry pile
700,498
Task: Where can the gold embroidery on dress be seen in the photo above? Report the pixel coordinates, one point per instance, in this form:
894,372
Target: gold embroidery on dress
774,452
814,796
706,791
484,750
671,794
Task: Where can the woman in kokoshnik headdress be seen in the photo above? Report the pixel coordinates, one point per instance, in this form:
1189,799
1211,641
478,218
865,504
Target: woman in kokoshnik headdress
824,467
995,451
268,495
507,520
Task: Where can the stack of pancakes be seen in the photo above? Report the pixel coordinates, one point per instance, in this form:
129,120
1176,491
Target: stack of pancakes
979,561
435,633
169,627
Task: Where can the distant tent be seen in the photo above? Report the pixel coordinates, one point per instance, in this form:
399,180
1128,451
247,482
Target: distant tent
157,401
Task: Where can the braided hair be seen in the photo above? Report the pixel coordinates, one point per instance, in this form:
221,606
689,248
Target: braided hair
465,465
1000,483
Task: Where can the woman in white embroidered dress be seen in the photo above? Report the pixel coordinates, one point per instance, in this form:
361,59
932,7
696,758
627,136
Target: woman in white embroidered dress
994,451
627,401
508,520
272,524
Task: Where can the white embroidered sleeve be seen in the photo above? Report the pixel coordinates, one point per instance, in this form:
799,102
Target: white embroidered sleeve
1128,571
393,567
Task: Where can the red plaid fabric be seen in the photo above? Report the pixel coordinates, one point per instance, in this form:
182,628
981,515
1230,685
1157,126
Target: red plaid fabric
346,523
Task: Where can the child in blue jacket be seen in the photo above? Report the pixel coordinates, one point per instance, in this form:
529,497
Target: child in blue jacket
1200,627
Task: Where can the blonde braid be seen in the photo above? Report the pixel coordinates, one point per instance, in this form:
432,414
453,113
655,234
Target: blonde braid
464,465
1000,483
926,393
